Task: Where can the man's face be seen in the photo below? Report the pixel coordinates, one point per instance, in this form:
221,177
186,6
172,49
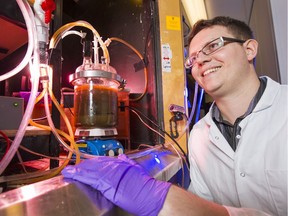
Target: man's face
218,73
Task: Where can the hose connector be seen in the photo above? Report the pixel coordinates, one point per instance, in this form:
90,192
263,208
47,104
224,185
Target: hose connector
48,7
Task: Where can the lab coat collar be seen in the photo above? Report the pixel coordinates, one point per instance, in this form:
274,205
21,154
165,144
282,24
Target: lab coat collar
265,101
269,95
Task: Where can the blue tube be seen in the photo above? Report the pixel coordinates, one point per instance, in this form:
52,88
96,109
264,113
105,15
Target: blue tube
199,105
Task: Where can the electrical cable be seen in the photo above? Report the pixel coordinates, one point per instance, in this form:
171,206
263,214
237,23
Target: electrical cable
163,131
181,163
21,161
41,155
40,118
63,99
29,151
155,124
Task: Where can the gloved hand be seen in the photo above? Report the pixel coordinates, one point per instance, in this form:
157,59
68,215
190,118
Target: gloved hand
123,182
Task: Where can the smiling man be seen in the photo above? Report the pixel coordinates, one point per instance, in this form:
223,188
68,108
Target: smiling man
238,151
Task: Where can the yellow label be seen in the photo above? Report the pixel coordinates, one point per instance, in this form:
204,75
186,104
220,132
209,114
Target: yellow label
82,145
173,23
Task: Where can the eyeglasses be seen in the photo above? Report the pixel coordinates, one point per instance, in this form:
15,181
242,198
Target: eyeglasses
210,48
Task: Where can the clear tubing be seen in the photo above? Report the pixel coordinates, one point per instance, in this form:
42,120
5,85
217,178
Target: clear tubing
47,89
29,18
192,111
48,114
96,52
80,34
45,127
50,122
29,51
55,171
58,35
67,122
62,133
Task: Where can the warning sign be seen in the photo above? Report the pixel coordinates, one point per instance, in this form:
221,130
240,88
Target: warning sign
166,57
173,23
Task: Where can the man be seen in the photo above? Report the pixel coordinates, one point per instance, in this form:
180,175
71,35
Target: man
237,152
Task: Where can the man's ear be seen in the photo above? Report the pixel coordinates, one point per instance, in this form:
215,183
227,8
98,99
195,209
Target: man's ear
251,47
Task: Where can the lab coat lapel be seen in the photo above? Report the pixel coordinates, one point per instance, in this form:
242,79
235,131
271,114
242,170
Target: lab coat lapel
217,139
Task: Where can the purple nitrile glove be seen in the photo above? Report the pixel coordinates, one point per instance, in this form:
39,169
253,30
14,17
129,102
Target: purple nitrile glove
123,182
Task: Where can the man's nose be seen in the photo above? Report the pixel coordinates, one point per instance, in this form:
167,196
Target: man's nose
201,57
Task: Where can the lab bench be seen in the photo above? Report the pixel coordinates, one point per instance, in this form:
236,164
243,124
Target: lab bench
60,196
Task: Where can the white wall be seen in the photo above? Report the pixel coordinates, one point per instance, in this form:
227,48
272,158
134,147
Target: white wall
279,16
261,22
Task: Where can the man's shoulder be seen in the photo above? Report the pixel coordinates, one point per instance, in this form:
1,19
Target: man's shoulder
274,88
272,83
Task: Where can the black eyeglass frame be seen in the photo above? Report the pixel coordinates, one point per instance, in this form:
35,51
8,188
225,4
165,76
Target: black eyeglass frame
190,61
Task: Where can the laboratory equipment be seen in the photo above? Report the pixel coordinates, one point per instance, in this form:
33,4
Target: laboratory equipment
96,105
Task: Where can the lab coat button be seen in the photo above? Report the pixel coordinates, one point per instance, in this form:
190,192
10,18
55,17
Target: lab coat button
238,136
242,174
216,137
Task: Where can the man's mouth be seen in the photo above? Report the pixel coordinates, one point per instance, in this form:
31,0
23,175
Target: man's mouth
210,71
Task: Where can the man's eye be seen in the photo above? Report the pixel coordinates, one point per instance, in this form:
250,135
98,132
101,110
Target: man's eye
192,59
213,46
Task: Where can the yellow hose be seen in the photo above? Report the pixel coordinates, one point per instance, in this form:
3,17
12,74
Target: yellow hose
69,137
58,35
67,122
142,59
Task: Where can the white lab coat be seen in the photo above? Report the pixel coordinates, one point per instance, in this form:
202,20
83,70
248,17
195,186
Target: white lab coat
255,175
